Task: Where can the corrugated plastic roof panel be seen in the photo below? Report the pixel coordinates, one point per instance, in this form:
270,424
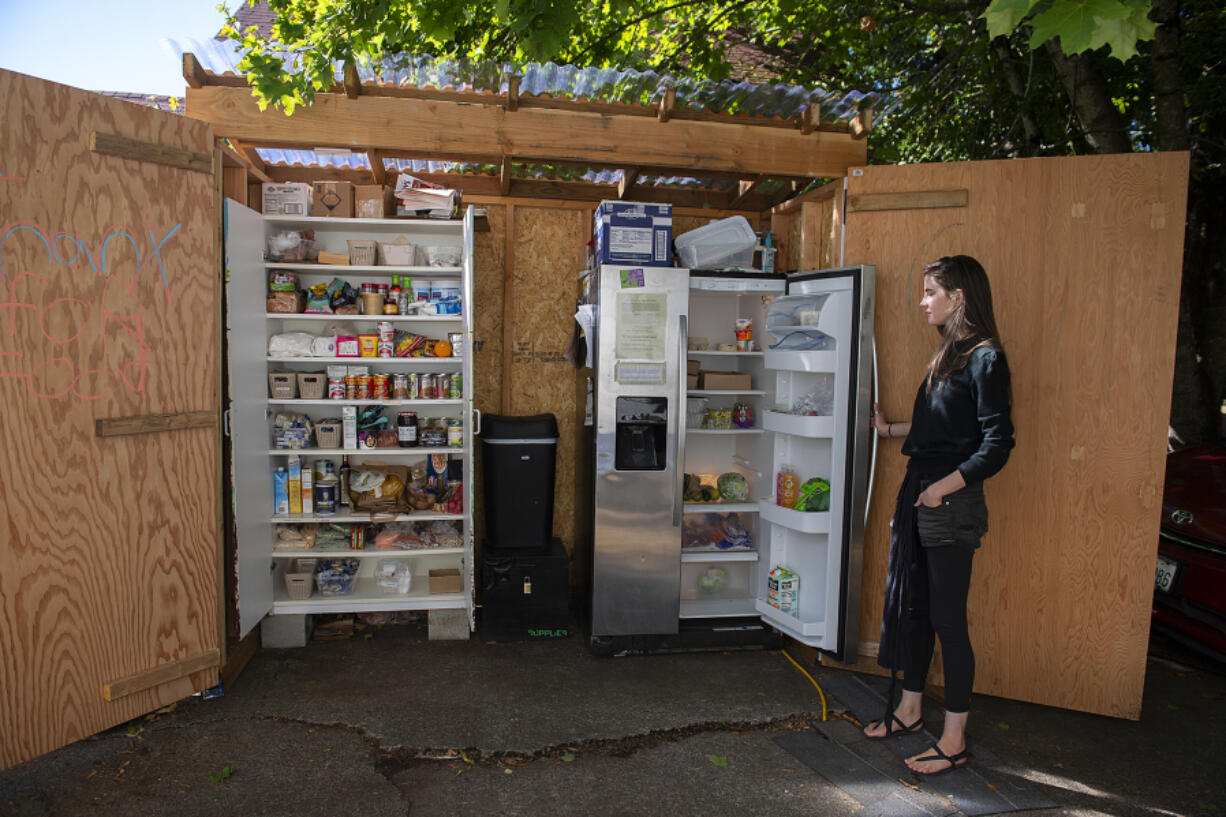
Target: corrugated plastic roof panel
573,82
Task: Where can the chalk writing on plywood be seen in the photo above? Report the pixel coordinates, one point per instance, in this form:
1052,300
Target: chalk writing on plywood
73,315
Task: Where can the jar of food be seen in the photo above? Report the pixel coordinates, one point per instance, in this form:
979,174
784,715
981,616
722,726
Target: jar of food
406,429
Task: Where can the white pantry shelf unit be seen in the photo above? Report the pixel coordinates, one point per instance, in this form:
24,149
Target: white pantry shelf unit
255,457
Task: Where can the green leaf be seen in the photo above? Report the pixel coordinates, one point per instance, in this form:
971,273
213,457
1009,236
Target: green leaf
718,760
221,775
568,757
1002,16
1076,23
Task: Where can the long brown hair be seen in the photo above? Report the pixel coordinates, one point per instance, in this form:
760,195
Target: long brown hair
971,319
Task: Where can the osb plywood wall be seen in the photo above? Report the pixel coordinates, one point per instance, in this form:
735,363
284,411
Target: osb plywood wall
109,563
523,328
809,230
1084,256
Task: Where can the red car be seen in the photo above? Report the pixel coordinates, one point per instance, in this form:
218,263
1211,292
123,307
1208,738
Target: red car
1190,583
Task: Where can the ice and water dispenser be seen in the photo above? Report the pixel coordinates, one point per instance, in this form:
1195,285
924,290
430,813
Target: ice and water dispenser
640,434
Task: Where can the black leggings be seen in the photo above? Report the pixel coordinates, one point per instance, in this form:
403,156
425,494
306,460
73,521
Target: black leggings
947,569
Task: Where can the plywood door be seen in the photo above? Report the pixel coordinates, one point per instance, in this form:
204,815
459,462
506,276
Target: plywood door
1084,255
109,558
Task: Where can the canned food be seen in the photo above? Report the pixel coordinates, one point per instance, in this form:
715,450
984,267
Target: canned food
400,387
456,391
385,349
351,387
414,391
336,388
455,436
443,387
429,386
379,389
363,392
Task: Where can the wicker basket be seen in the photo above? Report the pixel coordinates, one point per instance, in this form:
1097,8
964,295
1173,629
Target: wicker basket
312,386
361,252
298,579
283,385
328,434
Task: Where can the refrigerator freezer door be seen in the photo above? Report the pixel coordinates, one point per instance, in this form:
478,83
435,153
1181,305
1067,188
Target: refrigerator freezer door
822,363
640,413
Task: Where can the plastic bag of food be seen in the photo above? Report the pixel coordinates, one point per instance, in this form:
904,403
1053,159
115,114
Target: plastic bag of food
733,487
290,344
814,495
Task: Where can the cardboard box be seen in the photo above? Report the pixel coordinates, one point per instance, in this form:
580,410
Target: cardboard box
735,381
349,427
373,201
334,258
691,381
628,232
332,199
308,490
295,483
445,580
692,367
288,199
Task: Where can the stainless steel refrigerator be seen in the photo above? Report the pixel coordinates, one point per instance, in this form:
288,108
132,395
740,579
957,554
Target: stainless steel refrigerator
691,546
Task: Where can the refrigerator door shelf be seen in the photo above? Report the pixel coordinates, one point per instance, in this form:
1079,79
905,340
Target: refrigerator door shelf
790,625
736,555
801,521
717,608
816,361
721,507
725,431
801,425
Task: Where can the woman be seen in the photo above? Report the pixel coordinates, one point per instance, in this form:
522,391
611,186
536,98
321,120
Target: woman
960,434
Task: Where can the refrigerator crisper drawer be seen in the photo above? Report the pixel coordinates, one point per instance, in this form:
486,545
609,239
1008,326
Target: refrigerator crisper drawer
717,580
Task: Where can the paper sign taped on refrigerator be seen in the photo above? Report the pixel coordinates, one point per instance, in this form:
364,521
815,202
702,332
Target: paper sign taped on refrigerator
642,325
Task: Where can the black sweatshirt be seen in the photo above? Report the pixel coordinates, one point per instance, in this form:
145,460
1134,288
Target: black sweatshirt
965,422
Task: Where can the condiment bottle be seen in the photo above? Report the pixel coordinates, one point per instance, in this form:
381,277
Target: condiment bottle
787,487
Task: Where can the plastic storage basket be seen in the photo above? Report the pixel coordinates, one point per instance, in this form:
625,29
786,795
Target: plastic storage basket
728,242
312,386
282,385
328,434
298,579
361,252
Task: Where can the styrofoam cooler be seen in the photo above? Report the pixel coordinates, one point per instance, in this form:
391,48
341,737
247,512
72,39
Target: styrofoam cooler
728,242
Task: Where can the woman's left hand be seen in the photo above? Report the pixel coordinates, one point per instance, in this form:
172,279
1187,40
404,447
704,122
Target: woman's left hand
934,494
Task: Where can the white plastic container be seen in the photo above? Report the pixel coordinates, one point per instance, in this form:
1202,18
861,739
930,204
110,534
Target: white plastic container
445,294
728,242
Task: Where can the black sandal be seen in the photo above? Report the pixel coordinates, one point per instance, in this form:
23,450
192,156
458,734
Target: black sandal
956,761
890,731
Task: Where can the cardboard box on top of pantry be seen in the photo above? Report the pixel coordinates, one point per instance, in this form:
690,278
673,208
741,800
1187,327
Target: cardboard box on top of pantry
332,199
629,232
374,201
728,242
288,199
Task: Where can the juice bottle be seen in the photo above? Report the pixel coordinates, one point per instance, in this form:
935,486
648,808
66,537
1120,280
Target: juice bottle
787,487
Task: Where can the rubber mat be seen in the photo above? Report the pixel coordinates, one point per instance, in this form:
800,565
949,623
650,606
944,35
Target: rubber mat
873,774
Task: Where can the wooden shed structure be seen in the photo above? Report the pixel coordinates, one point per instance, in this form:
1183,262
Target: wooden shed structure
1084,253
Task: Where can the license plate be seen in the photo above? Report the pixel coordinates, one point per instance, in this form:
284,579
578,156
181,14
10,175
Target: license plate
1164,577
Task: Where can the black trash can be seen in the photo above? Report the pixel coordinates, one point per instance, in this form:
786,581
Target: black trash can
518,471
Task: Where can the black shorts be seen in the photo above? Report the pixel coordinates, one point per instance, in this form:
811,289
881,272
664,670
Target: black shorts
961,518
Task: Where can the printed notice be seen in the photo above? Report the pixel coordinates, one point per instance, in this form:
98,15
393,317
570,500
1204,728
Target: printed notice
641,325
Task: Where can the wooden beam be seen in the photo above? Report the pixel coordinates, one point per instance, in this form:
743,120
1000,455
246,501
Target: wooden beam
747,189
512,103
193,71
811,118
532,135
160,675
917,200
110,144
378,171
630,177
862,124
244,160
153,423
249,153
504,177
826,191
667,103
353,83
